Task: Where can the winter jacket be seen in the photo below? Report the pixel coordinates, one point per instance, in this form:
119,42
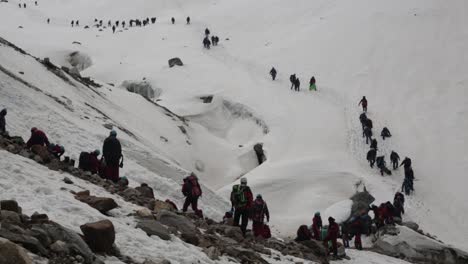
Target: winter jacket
380,162
260,210
273,72
409,174
94,163
373,144
368,123
406,162
367,132
333,231
112,151
363,102
394,156
363,118
312,81
3,121
38,138
371,154
385,132
191,187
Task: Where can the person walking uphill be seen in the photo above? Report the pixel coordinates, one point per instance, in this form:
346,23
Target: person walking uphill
259,212
37,138
192,191
394,158
3,113
273,73
112,153
312,86
363,102
333,231
242,200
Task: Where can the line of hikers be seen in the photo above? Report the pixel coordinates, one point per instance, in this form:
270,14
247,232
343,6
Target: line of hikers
356,226
295,82
206,40
372,158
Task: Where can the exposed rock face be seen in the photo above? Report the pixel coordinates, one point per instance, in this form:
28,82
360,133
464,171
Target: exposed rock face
10,205
175,61
79,60
145,190
99,236
177,221
411,225
42,152
141,87
403,242
11,253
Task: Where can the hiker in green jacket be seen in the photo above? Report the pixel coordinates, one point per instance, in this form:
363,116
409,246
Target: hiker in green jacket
312,86
242,200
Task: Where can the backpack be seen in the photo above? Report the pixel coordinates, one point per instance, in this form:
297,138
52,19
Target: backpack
83,162
238,196
191,187
266,232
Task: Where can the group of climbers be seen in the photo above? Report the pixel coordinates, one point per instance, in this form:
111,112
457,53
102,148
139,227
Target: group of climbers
295,82
328,234
372,157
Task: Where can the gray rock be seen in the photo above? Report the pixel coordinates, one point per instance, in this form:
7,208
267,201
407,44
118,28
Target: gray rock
74,241
67,180
190,238
11,253
10,205
102,204
175,61
10,217
60,247
100,236
411,225
37,218
40,235
177,221
154,228
142,88
212,252
28,242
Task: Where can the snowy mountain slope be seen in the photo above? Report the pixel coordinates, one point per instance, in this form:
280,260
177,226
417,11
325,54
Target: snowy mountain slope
406,56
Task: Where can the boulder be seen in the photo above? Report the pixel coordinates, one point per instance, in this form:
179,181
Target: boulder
158,206
42,152
28,242
190,238
212,252
79,61
145,191
145,213
37,218
10,205
154,228
415,247
142,88
316,247
60,247
175,61
361,202
67,180
411,225
10,217
102,204
179,222
100,236
11,253
74,241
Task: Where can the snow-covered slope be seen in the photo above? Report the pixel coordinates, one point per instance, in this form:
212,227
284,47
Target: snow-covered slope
407,57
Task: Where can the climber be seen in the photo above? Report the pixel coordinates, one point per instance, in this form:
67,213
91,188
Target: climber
303,234
173,21
362,119
297,85
368,123
188,20
317,226
333,231
385,133
368,134
398,204
89,161
356,226
273,73
207,32
3,113
406,163
292,79
48,21
371,155
72,23
37,138
382,165
192,191
363,102
373,144
394,158
206,43
113,29
312,86
241,200
259,212
213,40
112,153
377,216
56,150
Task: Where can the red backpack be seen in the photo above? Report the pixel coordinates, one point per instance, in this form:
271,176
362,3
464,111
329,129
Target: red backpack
191,186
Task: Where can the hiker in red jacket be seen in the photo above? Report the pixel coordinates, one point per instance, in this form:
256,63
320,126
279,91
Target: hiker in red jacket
241,200
260,211
192,191
317,226
94,162
332,235
363,102
37,138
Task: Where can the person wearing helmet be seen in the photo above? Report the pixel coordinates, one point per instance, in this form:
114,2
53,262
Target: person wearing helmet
260,211
317,226
241,200
37,138
3,113
112,153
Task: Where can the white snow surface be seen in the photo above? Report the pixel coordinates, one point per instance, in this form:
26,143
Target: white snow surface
407,57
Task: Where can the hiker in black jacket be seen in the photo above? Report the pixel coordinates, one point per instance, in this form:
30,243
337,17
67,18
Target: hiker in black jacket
112,153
